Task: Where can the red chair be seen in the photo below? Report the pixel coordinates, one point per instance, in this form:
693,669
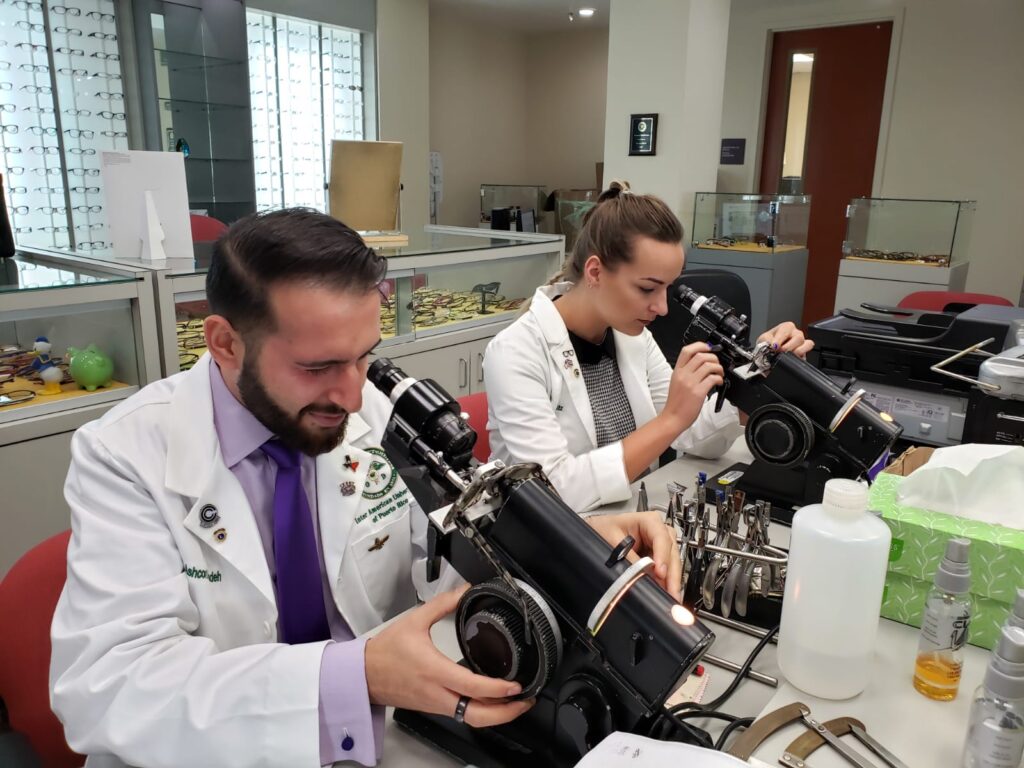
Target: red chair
28,598
475,406
206,229
949,301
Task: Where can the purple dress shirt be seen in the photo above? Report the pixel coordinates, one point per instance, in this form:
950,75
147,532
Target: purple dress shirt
345,708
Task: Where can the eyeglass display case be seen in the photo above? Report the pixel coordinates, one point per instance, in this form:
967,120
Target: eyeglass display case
750,222
894,247
522,196
50,388
763,239
449,291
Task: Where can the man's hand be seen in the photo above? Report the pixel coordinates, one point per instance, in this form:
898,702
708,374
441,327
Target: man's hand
404,669
786,337
653,538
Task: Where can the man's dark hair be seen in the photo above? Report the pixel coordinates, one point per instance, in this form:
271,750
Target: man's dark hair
290,245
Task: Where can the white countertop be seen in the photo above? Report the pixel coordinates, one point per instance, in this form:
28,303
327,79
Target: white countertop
921,732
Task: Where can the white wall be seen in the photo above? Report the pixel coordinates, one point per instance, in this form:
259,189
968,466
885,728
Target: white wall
403,76
953,118
668,57
513,107
478,99
567,82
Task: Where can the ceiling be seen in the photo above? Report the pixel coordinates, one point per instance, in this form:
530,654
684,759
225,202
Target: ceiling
529,15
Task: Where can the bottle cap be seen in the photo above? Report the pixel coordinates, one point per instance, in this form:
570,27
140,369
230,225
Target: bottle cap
1016,617
846,497
954,573
1005,674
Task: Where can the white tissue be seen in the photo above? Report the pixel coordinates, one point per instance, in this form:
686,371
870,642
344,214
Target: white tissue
974,481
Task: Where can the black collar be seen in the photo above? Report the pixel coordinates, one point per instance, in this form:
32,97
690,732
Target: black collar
591,354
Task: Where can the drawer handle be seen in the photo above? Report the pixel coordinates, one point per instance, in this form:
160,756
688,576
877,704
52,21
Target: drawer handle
480,367
463,372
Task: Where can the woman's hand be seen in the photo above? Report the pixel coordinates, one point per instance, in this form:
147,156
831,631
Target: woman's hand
786,337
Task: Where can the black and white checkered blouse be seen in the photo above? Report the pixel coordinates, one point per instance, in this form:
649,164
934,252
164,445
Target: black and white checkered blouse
613,416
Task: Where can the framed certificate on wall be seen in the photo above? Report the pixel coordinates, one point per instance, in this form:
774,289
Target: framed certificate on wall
643,134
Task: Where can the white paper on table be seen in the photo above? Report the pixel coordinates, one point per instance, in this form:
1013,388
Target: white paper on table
626,749
126,178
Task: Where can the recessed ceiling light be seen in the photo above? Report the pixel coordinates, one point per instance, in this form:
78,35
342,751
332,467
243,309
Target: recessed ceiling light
587,12
803,57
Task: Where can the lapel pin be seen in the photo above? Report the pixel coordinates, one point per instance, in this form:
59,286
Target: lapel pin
567,362
208,516
378,543
576,372
568,352
221,534
350,465
347,488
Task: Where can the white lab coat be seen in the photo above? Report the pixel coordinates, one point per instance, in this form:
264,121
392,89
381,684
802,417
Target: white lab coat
165,647
539,410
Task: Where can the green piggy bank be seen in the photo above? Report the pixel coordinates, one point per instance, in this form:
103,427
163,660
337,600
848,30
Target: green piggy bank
90,368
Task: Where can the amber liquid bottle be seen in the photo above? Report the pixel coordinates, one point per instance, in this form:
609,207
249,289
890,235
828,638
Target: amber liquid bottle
944,626
6,235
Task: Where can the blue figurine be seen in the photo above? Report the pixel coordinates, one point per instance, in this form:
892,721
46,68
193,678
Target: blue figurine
46,368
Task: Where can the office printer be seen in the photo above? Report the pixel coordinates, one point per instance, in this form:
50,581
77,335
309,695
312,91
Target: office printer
924,368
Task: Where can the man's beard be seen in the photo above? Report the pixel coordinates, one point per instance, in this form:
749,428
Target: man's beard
288,429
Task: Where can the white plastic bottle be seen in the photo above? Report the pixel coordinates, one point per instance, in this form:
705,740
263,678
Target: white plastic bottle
837,563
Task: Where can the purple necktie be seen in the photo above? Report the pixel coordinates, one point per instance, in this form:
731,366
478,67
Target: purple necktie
300,596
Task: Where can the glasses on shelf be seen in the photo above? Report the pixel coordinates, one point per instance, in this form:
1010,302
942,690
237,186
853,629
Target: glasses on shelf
77,112
85,190
29,26
9,129
51,210
24,5
105,56
63,10
73,72
80,151
89,208
52,229
78,133
64,50
18,209
49,190
39,110
82,171
39,130
67,31
7,107
18,190
115,134
15,170
46,171
33,68
96,15
103,35
44,150
31,47
45,89
87,227
94,244
108,95
111,115
6,86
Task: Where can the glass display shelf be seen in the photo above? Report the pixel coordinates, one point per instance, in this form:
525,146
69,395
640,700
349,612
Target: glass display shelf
750,222
29,272
931,233
75,333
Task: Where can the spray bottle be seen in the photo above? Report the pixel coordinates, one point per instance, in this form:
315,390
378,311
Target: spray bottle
944,626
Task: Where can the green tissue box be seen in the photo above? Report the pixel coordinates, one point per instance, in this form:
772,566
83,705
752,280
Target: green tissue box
918,544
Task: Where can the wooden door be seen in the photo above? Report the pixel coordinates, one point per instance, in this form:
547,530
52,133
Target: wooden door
843,119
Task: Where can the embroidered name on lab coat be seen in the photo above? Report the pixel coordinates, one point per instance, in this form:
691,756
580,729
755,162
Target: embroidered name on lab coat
201,573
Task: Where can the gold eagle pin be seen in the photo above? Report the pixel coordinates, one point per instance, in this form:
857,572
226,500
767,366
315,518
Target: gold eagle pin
378,543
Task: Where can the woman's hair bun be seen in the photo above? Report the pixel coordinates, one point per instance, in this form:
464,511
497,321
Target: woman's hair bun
615,188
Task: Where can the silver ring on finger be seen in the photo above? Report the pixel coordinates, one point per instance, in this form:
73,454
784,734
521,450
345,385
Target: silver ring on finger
460,709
